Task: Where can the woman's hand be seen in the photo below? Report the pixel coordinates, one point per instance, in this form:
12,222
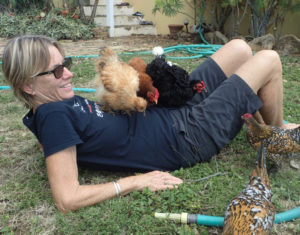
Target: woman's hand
155,180
68,194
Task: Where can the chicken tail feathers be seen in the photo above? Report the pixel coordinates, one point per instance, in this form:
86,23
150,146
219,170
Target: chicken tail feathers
261,155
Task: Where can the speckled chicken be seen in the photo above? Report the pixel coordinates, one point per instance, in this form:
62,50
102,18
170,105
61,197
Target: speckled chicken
252,212
278,140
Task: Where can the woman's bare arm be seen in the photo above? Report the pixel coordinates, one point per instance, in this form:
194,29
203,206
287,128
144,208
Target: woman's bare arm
68,194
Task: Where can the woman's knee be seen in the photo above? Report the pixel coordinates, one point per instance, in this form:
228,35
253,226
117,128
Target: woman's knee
270,55
240,48
262,69
232,55
272,60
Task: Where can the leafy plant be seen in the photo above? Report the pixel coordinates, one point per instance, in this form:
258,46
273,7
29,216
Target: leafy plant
24,5
168,7
218,11
265,14
236,14
262,14
173,7
52,24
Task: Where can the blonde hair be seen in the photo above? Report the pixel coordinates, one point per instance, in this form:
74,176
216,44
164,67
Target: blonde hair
23,59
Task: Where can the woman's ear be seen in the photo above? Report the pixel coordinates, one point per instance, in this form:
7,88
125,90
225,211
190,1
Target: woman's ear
28,88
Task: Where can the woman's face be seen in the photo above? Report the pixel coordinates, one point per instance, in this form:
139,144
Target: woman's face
47,88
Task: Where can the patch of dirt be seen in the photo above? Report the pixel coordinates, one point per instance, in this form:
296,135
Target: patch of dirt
129,43
125,44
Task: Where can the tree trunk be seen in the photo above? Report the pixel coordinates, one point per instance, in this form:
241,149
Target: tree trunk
94,10
82,15
260,17
254,18
266,19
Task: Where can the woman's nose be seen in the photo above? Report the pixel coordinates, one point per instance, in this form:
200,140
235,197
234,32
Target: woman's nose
67,73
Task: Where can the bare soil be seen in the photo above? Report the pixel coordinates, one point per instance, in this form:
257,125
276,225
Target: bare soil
129,43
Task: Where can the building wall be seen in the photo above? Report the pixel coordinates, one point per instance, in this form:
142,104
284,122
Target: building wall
162,22
291,24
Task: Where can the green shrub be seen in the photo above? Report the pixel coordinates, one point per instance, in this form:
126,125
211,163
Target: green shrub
23,5
52,25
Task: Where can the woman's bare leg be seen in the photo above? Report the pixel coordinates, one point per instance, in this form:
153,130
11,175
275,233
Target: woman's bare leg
262,72
230,58
232,55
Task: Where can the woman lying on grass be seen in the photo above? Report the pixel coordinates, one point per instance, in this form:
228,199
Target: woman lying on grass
75,131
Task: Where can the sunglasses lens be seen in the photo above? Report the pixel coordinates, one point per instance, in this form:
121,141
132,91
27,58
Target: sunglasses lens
58,71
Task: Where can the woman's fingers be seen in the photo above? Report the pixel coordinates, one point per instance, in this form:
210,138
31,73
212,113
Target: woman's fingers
158,180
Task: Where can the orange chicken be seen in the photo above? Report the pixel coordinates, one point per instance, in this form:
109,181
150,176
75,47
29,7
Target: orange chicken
117,84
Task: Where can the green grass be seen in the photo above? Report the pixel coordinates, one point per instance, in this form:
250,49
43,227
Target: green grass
27,207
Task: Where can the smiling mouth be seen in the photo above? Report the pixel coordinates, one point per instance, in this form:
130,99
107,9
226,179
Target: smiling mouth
67,85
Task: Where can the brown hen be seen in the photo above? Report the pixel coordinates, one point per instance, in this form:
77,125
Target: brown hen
117,84
146,88
278,140
252,212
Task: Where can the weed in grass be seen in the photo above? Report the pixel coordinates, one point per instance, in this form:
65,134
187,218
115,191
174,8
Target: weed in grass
4,229
2,138
27,207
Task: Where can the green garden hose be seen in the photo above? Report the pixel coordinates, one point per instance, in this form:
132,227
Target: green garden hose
218,221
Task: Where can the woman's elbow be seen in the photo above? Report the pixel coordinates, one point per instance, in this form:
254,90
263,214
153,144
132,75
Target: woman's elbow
65,205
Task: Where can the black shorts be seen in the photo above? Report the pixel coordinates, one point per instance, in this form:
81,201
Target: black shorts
213,118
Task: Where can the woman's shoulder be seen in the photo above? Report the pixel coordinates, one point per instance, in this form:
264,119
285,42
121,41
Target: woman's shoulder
63,105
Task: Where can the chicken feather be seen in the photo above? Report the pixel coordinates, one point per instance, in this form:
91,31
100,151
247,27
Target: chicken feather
173,83
278,140
117,84
252,212
146,88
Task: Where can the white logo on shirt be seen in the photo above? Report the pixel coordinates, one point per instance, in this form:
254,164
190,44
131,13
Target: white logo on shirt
76,104
98,111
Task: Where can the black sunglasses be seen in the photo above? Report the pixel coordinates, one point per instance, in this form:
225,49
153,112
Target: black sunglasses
58,70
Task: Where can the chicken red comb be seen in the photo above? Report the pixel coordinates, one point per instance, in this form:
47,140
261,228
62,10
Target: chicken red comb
153,96
156,94
247,115
199,86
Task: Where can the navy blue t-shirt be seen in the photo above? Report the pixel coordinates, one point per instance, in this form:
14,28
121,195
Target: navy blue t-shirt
106,141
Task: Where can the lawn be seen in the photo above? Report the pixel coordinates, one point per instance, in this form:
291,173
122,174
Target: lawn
27,207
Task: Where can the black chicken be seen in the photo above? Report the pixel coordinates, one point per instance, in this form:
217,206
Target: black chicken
172,82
